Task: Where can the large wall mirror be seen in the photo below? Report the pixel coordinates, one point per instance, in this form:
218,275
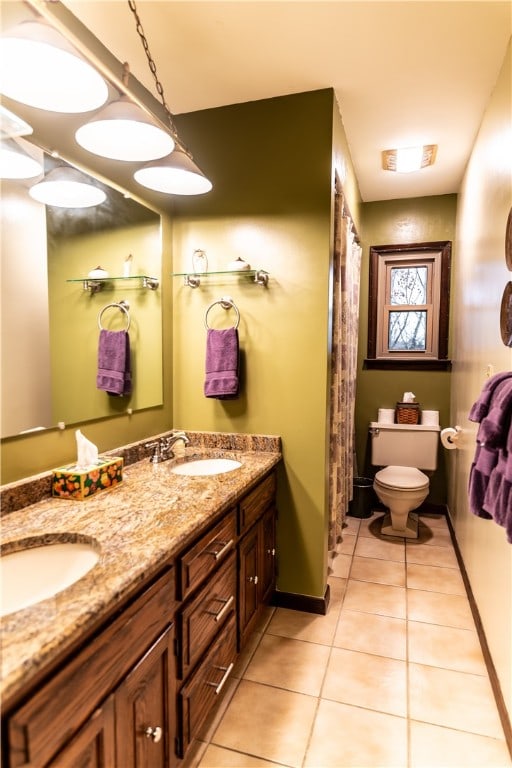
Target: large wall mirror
49,321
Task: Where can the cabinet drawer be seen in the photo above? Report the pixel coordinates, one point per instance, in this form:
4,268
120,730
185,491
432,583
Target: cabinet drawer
202,619
57,710
206,554
201,693
255,503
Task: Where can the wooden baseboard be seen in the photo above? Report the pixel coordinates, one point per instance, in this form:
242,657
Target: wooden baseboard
299,602
493,677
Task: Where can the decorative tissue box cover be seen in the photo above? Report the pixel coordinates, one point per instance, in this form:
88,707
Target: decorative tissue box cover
69,482
407,413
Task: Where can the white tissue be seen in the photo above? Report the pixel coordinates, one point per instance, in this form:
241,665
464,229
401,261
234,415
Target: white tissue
449,438
408,397
86,452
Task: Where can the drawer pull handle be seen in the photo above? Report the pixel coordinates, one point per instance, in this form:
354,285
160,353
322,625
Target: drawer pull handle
271,551
228,601
225,547
253,579
155,734
219,686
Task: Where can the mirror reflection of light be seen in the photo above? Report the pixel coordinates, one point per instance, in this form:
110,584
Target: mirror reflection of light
65,188
16,164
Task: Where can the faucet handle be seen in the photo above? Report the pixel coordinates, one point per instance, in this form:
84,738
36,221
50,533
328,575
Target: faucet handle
155,456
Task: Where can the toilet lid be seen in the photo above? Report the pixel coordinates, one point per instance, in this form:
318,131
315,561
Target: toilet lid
402,477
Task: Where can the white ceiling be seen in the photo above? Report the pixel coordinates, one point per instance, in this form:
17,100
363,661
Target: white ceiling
404,73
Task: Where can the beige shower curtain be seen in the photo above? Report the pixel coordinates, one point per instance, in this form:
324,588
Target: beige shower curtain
345,319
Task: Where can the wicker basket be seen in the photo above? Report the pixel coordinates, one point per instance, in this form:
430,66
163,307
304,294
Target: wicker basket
407,413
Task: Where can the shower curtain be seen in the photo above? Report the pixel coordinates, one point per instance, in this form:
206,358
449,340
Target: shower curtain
345,319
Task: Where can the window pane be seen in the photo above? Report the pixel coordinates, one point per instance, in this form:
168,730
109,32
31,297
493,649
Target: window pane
407,331
408,285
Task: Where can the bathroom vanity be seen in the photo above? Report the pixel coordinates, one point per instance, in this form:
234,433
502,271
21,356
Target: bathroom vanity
123,667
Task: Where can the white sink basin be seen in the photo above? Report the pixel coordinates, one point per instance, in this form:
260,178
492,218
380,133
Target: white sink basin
33,574
201,467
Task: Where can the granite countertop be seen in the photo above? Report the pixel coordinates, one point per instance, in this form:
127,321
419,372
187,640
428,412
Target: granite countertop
138,526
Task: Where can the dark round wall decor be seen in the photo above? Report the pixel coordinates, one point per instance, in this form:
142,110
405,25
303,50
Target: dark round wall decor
506,315
508,241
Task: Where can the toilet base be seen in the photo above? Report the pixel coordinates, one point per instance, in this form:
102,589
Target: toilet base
409,532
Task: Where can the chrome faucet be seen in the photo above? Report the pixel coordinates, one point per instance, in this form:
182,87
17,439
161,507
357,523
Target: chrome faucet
162,449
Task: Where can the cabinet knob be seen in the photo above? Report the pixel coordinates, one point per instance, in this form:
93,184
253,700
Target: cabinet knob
155,734
271,551
253,579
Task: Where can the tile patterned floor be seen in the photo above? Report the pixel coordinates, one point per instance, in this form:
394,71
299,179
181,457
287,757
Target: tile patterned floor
393,675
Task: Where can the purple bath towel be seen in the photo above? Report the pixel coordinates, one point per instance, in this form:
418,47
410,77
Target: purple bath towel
114,369
222,361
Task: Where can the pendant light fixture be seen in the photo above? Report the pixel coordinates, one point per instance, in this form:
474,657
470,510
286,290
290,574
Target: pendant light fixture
40,68
177,173
15,163
66,187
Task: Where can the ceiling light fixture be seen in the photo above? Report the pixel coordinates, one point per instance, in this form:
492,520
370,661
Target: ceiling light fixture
409,159
40,68
177,173
66,187
15,163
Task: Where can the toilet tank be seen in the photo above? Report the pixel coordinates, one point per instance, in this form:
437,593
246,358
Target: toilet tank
406,445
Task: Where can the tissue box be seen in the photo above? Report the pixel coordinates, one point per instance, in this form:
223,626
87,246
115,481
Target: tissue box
407,413
70,482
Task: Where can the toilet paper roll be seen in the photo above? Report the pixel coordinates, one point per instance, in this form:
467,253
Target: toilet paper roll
386,415
449,438
430,418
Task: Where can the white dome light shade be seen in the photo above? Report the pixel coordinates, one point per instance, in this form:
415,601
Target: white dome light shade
123,131
174,175
65,187
39,68
17,164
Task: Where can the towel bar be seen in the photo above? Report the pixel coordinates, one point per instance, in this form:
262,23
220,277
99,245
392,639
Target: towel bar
226,302
123,306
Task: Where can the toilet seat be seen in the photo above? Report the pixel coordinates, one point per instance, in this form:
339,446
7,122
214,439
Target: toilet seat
402,478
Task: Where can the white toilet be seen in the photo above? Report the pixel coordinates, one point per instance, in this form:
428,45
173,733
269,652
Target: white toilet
403,450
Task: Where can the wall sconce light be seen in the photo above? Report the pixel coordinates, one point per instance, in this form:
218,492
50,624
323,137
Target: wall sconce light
15,163
66,187
39,68
176,174
409,159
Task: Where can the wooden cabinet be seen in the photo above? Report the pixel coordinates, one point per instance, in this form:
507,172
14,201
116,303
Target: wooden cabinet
94,744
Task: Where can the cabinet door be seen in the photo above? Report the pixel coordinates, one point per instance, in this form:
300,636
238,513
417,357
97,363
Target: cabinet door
94,745
145,709
248,582
268,555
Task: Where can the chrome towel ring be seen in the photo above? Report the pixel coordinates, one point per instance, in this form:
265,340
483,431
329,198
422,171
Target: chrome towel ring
226,302
123,306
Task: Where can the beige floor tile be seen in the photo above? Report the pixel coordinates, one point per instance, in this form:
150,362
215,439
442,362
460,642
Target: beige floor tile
384,599
351,737
394,549
310,627
434,520
435,747
436,608
364,680
429,554
291,664
347,546
370,633
454,699
447,647
268,723
436,535
351,525
379,571
340,566
337,589
434,578
218,757
246,655
370,525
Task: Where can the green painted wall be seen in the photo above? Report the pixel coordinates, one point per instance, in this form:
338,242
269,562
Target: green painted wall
392,222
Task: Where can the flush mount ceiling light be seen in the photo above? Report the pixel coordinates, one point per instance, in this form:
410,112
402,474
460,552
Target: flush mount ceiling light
176,174
409,159
123,131
66,187
41,69
15,163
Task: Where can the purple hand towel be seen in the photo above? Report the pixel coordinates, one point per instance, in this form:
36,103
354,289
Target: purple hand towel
114,367
222,361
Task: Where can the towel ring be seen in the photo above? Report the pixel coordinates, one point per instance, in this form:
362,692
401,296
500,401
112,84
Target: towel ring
123,306
226,303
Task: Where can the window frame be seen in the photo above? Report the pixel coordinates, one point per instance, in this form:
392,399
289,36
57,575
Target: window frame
382,258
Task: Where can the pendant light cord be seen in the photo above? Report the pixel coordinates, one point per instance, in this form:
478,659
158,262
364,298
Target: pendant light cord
152,67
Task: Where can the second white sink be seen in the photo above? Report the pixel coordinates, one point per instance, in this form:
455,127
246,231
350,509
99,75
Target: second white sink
203,467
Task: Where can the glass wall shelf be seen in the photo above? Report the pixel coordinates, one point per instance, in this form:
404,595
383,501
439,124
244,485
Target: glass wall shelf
94,284
193,279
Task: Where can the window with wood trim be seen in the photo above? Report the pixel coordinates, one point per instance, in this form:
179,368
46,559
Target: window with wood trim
408,306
